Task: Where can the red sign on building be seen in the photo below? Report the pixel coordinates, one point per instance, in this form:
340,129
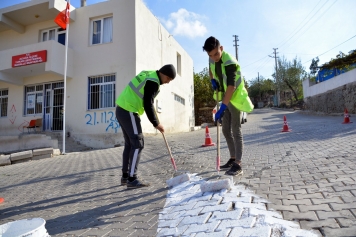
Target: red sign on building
29,58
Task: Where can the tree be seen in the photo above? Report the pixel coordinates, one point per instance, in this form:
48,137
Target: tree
314,66
260,88
203,92
291,75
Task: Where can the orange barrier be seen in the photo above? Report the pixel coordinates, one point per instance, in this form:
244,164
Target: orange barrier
285,125
346,117
208,141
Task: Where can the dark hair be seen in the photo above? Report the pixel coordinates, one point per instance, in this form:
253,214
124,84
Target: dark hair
210,44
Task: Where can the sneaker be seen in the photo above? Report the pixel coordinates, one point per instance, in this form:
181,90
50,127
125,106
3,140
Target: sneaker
227,165
124,180
234,170
137,184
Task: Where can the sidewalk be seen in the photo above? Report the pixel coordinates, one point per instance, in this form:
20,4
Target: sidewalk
306,176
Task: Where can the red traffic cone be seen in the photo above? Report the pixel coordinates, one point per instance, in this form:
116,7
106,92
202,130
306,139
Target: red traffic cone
346,117
285,126
208,141
1,200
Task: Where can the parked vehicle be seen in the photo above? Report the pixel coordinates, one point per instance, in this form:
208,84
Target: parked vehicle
243,117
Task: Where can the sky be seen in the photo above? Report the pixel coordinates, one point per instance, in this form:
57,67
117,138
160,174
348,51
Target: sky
302,29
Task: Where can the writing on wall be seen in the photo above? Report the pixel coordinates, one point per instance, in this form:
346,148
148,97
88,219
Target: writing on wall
99,118
12,114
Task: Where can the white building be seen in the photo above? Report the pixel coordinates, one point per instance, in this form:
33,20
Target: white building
109,43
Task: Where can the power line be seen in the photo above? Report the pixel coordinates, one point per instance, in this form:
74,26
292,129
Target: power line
263,64
283,43
331,49
256,61
312,23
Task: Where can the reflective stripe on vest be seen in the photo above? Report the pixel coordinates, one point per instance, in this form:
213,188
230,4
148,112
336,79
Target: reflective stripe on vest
131,98
137,89
240,97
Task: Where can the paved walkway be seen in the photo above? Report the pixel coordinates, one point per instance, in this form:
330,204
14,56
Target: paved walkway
306,176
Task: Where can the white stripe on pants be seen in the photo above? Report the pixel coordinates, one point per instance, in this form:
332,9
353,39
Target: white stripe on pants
134,159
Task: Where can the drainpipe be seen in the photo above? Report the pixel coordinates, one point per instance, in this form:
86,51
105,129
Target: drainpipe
83,3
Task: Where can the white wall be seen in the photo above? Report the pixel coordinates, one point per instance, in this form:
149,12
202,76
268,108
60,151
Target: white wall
136,46
155,48
117,57
340,80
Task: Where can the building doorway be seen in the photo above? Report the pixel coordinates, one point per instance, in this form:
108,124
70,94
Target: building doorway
53,114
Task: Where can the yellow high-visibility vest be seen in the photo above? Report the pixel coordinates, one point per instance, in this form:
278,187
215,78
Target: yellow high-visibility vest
240,97
131,98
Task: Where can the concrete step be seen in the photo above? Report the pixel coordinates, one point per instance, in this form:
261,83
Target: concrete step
71,144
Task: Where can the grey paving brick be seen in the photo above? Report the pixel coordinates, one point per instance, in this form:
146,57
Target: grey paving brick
345,188
331,223
345,206
349,199
291,192
345,222
309,196
340,232
338,194
320,207
353,211
296,202
327,200
292,208
310,215
323,215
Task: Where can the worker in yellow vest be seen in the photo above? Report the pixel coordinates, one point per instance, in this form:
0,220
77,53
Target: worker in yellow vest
225,75
137,98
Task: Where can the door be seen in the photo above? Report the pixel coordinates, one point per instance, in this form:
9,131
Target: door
57,116
48,108
53,106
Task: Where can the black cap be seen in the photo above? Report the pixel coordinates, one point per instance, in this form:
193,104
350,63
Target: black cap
168,70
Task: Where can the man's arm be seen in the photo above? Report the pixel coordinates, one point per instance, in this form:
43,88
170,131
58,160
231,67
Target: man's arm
150,92
231,74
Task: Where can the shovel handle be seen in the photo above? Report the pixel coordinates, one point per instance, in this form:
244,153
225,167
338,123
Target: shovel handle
170,153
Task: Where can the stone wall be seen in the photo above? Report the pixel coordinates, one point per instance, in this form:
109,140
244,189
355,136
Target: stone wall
334,101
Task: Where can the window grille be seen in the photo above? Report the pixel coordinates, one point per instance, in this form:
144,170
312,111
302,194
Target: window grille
33,99
179,99
101,92
4,102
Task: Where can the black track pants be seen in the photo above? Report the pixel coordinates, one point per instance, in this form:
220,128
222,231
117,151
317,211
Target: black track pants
131,128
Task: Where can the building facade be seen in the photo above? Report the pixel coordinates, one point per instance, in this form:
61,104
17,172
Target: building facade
108,44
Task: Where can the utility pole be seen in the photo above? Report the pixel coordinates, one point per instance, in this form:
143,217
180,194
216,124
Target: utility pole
235,40
277,92
258,81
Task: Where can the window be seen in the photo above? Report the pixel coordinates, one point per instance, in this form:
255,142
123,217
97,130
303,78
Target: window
101,92
179,99
33,99
101,30
3,102
179,63
57,34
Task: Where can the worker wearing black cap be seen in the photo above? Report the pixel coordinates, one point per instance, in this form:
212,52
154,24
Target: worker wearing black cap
137,98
